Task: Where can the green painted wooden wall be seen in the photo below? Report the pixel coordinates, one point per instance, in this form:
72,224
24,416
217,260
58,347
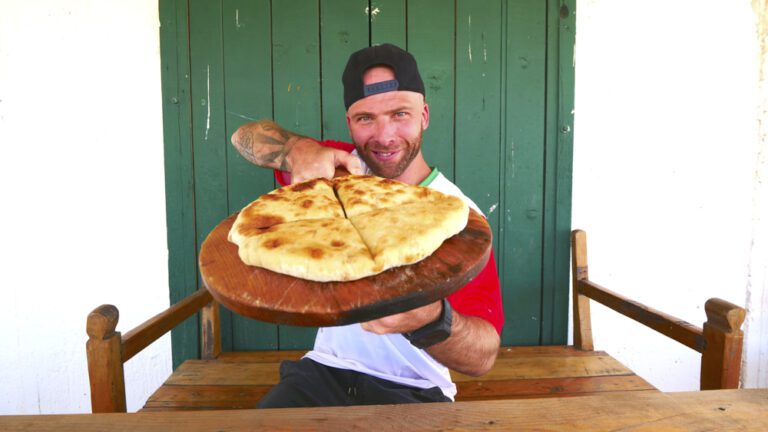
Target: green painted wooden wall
499,81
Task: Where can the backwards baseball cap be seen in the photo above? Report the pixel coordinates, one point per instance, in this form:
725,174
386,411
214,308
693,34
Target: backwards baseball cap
407,76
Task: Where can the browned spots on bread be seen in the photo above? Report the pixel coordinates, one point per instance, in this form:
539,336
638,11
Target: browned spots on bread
388,183
337,243
307,203
258,224
310,184
273,197
359,192
264,221
315,253
307,185
273,243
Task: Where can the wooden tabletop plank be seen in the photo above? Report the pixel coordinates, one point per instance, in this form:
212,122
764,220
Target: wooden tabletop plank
206,397
546,350
549,387
212,372
260,356
744,410
549,367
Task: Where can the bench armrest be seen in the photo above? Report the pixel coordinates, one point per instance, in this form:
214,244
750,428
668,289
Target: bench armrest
107,350
719,342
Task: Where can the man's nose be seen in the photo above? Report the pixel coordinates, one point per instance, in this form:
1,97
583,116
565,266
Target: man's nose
385,133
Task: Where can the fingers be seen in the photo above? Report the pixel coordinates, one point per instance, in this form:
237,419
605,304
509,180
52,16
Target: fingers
406,321
349,161
371,326
386,325
308,160
322,162
311,173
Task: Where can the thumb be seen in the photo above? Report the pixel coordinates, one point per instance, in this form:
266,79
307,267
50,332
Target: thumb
350,162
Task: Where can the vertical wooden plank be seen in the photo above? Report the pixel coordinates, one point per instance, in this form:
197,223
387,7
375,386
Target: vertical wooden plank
582,321
523,176
478,103
248,96
296,68
210,335
566,107
388,22
343,30
208,128
431,41
561,31
179,175
248,90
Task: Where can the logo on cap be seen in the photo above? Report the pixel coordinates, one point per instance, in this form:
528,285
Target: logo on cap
380,87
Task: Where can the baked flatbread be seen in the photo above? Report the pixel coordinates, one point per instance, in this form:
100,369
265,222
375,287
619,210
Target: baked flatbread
313,199
410,232
303,232
317,249
363,193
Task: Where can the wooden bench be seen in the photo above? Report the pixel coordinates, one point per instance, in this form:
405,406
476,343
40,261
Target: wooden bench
238,380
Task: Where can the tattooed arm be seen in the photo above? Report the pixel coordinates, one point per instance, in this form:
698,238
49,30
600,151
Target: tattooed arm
266,144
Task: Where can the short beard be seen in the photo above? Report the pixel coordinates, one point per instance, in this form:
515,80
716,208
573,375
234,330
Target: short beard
413,150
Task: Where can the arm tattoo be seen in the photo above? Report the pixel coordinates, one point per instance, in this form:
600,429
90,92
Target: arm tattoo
272,126
245,146
275,159
266,139
266,144
263,143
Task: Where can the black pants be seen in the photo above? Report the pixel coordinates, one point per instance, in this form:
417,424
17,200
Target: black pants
307,383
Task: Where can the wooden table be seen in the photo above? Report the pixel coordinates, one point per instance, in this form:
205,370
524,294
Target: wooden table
719,410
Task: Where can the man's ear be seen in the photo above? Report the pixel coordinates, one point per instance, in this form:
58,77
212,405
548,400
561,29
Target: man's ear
425,117
349,124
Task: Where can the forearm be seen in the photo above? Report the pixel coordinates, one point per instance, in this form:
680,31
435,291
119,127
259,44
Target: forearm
472,347
265,144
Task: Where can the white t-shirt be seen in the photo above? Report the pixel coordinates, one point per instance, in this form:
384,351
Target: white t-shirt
390,357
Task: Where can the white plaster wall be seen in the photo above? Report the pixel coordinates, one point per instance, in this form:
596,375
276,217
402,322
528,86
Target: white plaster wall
665,170
81,181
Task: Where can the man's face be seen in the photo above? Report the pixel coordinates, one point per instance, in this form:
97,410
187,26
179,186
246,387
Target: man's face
387,127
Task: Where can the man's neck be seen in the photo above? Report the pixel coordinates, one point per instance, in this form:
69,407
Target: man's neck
416,172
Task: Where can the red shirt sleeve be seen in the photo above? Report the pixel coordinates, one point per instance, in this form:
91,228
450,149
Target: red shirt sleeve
481,297
284,178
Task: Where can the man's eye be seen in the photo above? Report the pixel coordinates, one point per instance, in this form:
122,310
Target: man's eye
364,119
401,114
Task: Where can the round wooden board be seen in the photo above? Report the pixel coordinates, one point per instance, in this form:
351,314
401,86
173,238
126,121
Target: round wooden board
273,297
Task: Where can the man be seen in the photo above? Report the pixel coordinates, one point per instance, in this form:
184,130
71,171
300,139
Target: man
400,358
